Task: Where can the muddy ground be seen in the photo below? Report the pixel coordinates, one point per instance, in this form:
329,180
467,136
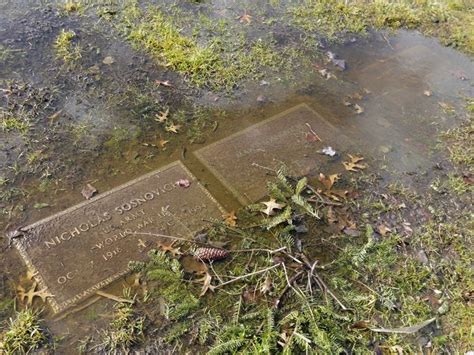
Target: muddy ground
85,110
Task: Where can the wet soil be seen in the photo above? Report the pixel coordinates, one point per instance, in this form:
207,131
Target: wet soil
94,122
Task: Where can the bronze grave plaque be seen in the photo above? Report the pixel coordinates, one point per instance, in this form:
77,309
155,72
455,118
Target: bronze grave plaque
82,249
241,161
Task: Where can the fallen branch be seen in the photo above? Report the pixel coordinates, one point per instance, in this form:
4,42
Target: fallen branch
248,275
289,285
404,330
113,297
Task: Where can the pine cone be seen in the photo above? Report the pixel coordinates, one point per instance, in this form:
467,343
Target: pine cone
210,254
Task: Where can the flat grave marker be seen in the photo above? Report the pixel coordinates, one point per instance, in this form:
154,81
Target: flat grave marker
78,251
241,161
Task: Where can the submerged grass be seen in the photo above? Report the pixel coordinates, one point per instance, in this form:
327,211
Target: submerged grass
66,49
451,21
216,63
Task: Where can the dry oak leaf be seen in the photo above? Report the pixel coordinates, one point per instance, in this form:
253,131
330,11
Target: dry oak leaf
383,230
173,128
88,191
32,293
169,247
329,181
267,286
206,284
162,116
108,60
354,163
230,219
272,205
163,143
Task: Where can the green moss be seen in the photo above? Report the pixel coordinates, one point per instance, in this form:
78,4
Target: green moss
23,335
65,48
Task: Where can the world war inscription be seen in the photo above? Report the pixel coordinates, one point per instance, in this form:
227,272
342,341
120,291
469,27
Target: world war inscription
82,249
244,161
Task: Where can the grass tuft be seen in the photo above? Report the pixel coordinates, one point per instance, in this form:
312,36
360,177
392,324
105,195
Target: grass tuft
23,335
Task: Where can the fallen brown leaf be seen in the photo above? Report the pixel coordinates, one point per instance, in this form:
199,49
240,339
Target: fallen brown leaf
206,284
230,219
32,293
173,128
163,143
162,116
358,109
271,206
245,18
108,60
88,191
169,248
354,163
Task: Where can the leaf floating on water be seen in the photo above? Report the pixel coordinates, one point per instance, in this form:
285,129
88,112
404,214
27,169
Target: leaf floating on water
245,18
271,206
326,74
163,143
173,128
162,117
358,109
32,293
183,183
404,330
88,191
262,99
328,182
354,163
230,219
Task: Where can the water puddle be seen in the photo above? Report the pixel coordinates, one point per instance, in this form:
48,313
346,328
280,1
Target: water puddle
97,121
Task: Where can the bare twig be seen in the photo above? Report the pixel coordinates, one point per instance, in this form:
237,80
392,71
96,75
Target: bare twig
289,284
113,297
263,167
313,132
248,275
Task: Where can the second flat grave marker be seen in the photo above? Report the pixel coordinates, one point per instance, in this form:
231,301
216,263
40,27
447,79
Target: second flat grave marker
240,161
